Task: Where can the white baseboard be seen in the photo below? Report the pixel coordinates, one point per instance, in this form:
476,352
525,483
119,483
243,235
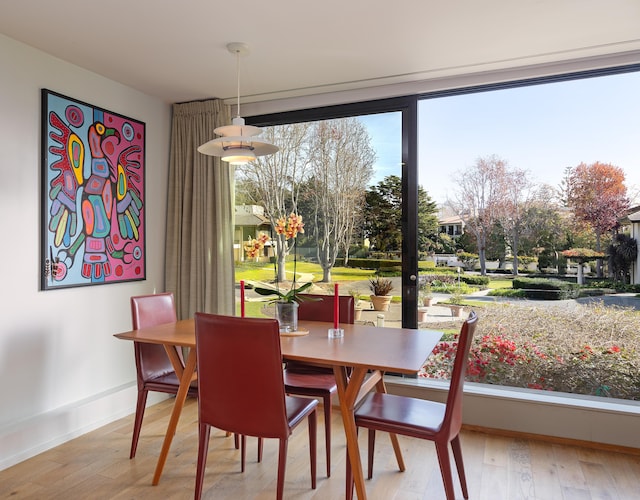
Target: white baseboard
25,439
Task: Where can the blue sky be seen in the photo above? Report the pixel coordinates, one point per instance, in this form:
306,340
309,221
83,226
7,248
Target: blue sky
541,128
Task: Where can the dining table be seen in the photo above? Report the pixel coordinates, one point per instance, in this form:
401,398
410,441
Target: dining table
359,359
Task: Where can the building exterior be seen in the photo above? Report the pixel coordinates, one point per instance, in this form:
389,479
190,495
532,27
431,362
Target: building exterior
452,226
250,221
632,220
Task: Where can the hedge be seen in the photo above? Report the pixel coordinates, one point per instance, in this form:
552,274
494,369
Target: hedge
546,289
370,263
475,280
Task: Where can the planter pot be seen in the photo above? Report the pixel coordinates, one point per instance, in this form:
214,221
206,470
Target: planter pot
380,302
422,314
427,301
357,314
456,310
287,316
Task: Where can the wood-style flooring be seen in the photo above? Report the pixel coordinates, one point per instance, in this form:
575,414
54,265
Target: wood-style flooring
97,466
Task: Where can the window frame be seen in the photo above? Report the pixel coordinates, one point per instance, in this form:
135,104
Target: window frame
408,107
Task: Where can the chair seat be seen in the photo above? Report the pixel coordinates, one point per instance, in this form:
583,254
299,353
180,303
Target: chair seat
168,383
310,384
400,414
298,409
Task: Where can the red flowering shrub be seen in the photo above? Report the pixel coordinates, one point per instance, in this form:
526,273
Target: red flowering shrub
588,350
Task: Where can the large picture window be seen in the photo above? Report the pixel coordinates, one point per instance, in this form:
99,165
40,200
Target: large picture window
509,174
534,184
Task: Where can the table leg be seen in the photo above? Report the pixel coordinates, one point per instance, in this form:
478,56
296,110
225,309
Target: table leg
181,396
348,391
172,352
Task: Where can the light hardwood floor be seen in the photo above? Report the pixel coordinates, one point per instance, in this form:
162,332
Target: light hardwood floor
96,466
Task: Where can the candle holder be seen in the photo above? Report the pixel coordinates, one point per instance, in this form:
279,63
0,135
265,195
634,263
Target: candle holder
335,333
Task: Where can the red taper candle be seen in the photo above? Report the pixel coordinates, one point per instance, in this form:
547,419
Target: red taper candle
242,298
336,307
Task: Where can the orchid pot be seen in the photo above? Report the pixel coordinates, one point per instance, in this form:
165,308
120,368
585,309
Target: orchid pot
287,316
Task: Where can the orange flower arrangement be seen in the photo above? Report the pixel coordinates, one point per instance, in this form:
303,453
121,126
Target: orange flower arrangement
290,226
253,245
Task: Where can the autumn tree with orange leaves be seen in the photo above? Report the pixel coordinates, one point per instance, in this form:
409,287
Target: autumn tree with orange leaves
598,197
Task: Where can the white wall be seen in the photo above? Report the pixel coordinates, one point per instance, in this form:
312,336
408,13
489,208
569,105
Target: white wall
62,372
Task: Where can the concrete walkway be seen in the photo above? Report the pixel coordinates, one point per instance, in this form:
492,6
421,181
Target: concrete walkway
439,314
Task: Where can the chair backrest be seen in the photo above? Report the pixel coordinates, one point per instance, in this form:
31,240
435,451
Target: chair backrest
453,413
150,310
240,381
321,308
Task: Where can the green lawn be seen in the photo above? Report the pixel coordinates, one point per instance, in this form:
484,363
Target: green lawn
266,272
499,283
252,309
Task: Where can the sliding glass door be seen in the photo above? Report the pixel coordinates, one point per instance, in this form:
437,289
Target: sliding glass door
349,173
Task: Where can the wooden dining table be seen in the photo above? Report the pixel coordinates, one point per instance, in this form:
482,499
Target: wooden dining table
359,360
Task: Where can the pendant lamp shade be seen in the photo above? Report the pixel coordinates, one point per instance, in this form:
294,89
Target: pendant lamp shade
239,143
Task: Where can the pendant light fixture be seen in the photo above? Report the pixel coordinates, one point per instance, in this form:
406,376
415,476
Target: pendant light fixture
238,144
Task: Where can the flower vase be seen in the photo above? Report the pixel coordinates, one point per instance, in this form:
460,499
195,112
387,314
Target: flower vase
287,316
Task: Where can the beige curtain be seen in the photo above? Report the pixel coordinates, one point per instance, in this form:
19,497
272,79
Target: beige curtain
199,266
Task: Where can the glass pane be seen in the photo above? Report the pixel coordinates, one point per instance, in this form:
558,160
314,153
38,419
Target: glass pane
339,178
534,185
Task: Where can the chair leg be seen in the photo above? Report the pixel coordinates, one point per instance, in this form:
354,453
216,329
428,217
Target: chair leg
442,450
372,449
282,463
349,482
203,447
137,423
243,451
313,446
326,402
457,455
236,441
259,450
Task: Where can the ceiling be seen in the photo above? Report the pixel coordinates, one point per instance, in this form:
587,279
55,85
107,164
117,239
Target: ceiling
176,49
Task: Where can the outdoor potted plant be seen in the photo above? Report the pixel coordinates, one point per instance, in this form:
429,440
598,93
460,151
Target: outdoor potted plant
426,295
381,288
455,304
357,305
422,314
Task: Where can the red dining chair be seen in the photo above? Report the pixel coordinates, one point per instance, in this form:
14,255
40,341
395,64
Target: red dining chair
232,398
301,379
153,369
437,422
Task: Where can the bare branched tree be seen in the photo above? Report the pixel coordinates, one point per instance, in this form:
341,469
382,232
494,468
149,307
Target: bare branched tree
341,162
479,195
273,181
513,207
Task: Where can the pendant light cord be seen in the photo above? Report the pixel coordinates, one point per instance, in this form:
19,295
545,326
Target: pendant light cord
238,78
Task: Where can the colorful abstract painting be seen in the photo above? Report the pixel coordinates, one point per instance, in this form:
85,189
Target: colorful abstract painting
93,217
